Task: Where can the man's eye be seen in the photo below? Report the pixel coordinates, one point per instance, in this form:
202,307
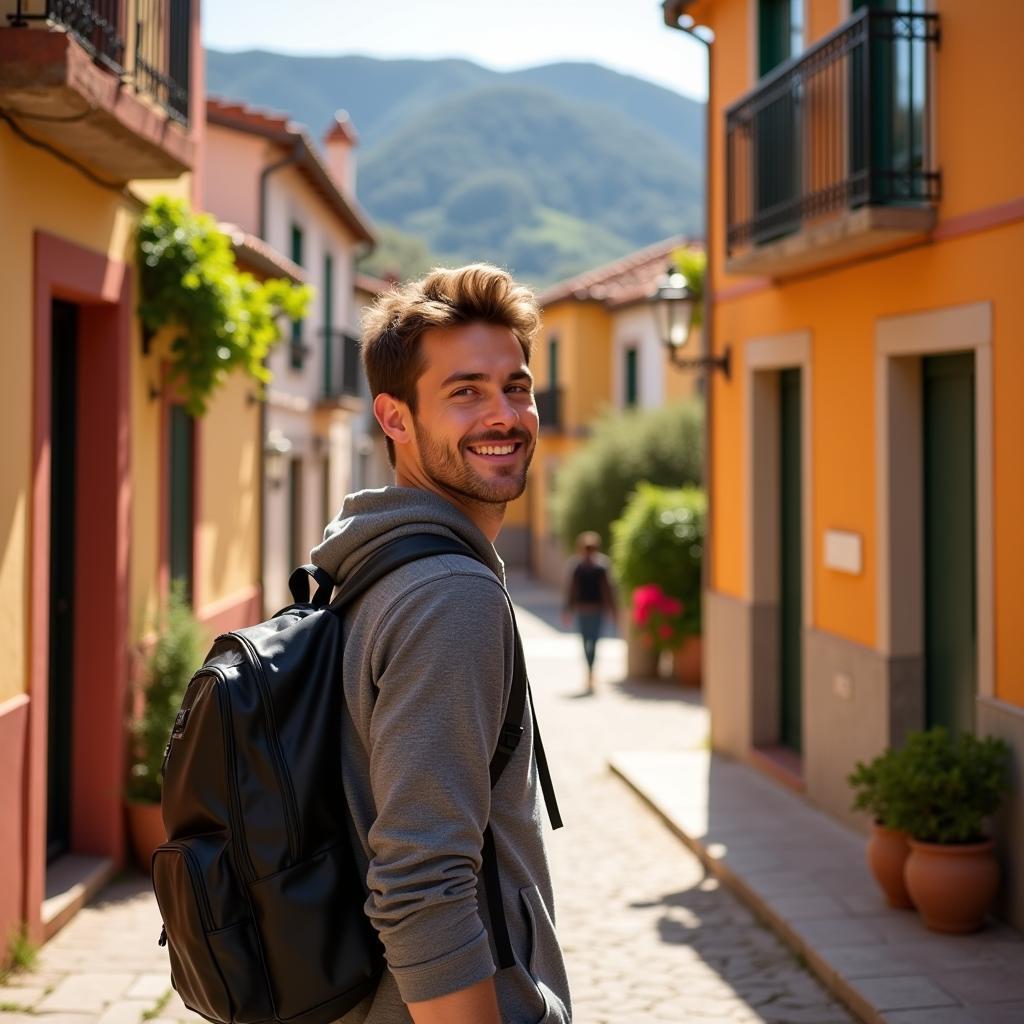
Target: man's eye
521,388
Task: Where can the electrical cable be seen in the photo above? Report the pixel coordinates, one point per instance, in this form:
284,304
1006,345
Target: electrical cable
63,157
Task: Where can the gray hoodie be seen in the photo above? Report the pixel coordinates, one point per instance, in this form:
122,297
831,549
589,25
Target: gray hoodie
427,674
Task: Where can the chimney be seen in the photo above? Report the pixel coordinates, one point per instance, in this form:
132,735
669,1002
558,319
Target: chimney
340,140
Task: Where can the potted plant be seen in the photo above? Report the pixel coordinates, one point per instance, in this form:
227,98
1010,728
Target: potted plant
176,654
657,548
949,787
876,788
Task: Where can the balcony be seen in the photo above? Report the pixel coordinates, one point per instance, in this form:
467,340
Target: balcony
106,82
549,408
831,157
343,371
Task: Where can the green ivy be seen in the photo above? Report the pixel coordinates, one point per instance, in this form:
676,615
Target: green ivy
221,318
693,265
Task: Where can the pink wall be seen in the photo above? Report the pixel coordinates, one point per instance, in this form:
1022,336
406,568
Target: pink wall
230,177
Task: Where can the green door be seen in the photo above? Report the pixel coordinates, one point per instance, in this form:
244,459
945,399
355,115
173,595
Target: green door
950,591
790,561
64,330
776,126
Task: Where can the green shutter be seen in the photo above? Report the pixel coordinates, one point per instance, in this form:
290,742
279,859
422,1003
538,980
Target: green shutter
632,383
328,317
297,351
950,538
181,499
552,363
774,25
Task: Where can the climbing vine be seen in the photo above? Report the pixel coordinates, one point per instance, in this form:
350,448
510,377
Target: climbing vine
220,318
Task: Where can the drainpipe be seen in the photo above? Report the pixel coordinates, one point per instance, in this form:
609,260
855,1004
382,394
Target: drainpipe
291,157
672,11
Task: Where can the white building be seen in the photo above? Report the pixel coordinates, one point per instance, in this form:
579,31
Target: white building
263,176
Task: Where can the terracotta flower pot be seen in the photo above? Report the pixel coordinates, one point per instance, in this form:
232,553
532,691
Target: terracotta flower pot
145,829
887,853
641,657
952,885
686,661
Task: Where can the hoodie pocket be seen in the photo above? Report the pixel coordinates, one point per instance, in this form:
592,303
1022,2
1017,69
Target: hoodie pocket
545,966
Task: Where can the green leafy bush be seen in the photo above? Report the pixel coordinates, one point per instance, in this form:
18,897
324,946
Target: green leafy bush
221,317
178,652
937,788
659,446
657,549
876,786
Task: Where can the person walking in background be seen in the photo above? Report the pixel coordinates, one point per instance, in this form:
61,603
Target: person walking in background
590,596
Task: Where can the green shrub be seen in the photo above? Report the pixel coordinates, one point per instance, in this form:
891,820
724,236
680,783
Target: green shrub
937,788
178,653
659,543
876,786
659,446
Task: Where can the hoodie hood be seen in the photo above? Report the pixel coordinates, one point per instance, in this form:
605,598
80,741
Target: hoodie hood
369,519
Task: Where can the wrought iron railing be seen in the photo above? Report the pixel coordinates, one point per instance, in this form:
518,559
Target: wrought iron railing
162,41
845,124
343,369
549,408
163,53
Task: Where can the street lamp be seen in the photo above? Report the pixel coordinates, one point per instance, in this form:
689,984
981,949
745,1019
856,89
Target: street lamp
673,303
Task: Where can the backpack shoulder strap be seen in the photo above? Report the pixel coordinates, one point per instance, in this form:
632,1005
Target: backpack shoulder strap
423,545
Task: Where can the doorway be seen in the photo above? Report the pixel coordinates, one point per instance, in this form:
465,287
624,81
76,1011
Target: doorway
63,456
790,561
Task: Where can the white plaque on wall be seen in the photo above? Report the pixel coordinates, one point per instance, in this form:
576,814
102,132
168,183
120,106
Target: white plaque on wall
844,551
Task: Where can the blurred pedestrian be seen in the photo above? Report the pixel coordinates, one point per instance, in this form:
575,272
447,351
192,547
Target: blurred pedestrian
589,596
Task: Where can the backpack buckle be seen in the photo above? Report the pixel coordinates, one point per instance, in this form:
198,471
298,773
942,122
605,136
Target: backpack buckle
508,739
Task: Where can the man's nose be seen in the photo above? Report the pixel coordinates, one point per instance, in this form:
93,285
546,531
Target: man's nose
501,411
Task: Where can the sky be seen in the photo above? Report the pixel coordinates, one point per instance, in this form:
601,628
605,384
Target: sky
626,35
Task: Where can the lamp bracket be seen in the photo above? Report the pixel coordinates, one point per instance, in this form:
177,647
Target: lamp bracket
710,363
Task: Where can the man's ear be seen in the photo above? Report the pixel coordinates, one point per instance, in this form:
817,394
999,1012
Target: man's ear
394,418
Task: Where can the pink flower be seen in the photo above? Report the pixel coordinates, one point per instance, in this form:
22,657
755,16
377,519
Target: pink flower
665,631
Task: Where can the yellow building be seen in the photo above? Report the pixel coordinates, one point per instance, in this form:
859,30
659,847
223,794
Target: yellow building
108,487
867,228
598,351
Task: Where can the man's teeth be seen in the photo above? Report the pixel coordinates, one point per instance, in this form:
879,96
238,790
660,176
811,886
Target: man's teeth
494,449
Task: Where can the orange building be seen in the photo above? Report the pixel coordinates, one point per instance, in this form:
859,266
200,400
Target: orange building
599,350
867,233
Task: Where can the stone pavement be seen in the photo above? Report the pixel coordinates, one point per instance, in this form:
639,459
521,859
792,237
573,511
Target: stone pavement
806,874
649,935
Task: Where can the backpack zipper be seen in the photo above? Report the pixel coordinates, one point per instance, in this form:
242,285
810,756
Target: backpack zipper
196,874
291,815
246,868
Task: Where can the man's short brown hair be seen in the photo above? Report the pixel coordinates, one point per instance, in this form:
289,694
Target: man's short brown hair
395,323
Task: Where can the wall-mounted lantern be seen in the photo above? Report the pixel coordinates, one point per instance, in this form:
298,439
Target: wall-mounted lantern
673,304
276,449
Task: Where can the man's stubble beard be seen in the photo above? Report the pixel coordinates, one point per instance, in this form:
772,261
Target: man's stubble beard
450,468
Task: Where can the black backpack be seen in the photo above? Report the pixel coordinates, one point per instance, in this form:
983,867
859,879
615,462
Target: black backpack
258,887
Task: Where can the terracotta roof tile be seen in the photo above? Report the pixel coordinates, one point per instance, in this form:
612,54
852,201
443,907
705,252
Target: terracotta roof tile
629,279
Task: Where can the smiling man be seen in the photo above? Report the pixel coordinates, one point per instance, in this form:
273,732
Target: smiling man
428,663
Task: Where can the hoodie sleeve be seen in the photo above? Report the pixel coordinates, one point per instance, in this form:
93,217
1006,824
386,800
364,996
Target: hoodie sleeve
440,660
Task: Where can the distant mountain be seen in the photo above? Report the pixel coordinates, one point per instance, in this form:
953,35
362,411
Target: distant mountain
548,170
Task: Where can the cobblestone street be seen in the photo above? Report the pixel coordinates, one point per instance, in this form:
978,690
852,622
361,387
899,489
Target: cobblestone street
648,937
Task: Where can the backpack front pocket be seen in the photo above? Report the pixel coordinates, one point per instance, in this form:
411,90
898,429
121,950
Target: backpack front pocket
217,971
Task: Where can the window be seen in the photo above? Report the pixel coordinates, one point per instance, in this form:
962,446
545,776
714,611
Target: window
630,392
180,519
553,362
298,350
